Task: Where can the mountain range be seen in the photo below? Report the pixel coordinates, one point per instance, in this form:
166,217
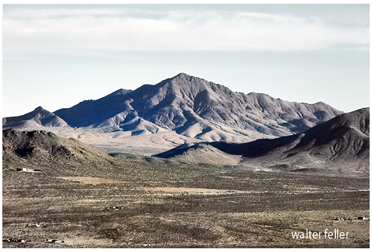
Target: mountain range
340,145
193,120
189,107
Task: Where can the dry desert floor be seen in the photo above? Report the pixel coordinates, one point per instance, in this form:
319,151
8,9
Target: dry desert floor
227,209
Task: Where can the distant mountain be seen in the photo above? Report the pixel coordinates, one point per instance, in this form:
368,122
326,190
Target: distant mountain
341,143
196,109
38,117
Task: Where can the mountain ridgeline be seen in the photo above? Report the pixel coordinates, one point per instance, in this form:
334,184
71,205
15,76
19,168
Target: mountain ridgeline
35,118
340,145
191,107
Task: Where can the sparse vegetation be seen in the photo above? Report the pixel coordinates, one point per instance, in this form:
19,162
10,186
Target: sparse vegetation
83,215
122,200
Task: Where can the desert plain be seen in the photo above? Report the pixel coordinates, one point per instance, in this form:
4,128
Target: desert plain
136,201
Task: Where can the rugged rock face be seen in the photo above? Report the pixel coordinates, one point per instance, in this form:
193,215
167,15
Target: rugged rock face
196,108
340,143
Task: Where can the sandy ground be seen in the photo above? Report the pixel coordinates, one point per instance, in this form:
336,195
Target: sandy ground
96,181
93,212
93,180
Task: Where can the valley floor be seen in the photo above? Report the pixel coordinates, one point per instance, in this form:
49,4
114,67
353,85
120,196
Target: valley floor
228,210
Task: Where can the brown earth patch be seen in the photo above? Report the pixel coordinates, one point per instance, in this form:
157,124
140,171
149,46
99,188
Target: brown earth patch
93,180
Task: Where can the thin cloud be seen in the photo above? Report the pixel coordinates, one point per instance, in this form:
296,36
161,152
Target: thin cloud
51,30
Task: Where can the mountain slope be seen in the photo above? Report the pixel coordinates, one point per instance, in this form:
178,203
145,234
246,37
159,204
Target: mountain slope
341,143
53,155
50,155
38,117
46,146
190,108
94,112
199,109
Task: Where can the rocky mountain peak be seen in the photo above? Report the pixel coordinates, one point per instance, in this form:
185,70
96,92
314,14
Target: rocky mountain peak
39,109
39,117
182,76
120,91
196,108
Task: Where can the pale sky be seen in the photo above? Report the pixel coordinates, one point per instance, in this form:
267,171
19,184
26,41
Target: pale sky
55,56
